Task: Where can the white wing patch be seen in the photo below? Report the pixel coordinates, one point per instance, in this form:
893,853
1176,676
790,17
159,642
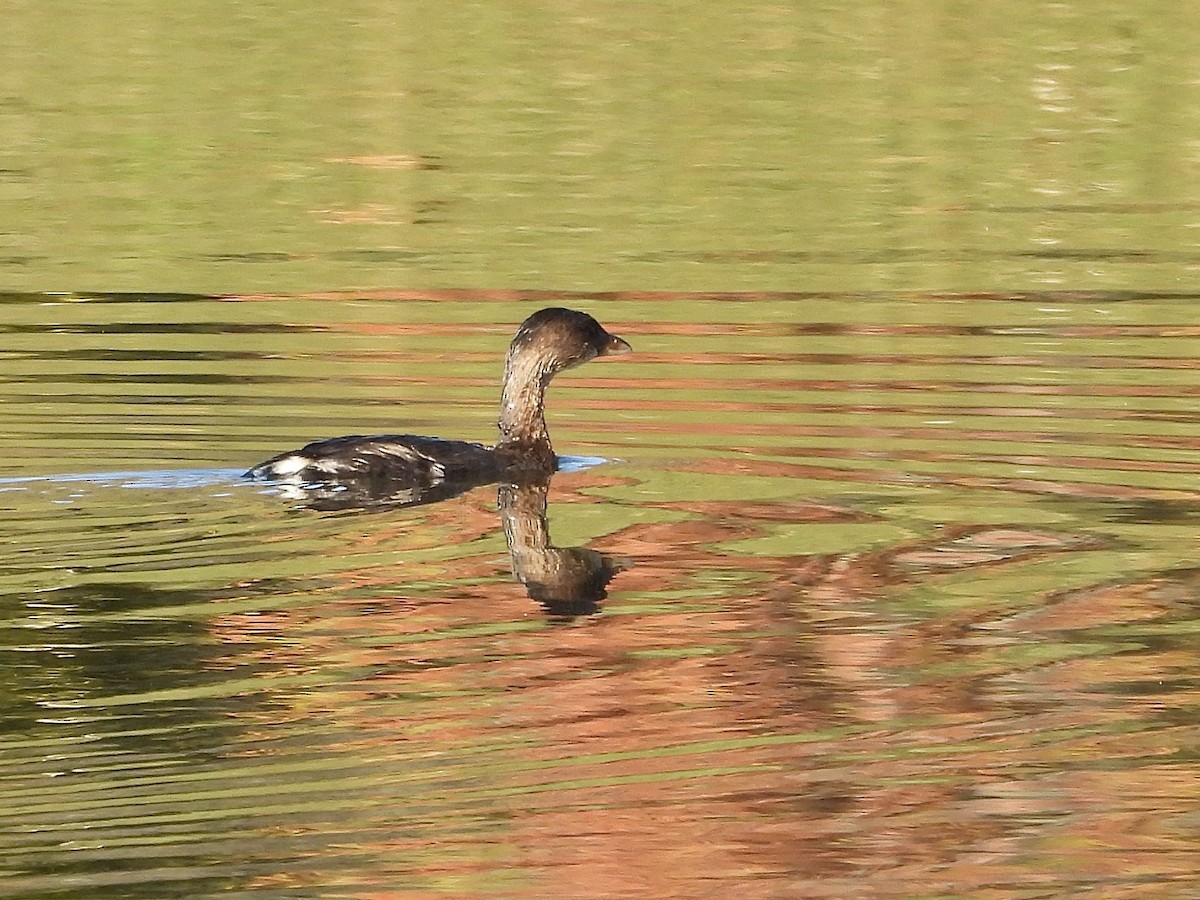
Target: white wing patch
297,466
289,465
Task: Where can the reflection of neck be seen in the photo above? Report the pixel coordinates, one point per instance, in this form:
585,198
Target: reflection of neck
523,434
523,512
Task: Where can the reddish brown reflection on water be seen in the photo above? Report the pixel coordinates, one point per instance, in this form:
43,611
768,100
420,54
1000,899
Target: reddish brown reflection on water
781,729
909,608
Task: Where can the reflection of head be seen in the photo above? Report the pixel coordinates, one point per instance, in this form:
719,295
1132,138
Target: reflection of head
573,583
568,581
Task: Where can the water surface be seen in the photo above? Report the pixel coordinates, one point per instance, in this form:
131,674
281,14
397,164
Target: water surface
889,608
876,571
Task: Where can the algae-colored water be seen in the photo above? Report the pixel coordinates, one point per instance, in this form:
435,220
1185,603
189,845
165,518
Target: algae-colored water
891,518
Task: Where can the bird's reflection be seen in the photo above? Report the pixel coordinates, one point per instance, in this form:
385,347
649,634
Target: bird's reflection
565,581
368,494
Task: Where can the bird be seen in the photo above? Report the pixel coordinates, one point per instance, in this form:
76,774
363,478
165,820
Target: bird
406,468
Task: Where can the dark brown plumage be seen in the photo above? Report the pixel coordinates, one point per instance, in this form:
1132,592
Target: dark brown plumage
406,465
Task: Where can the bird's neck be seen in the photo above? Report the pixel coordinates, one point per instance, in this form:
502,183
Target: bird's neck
522,422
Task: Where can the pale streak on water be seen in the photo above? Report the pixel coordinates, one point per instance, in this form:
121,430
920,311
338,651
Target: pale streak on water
903,602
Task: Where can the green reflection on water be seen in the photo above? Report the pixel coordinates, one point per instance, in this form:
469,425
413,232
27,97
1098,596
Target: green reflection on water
598,145
385,672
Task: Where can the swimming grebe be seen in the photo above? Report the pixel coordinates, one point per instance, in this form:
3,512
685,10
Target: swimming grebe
546,343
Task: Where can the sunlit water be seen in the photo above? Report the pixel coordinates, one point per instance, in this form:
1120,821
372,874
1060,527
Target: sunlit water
898,597
872,572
